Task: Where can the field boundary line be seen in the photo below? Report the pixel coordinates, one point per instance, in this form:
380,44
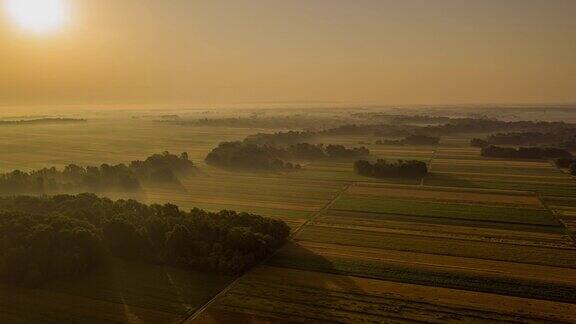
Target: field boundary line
189,318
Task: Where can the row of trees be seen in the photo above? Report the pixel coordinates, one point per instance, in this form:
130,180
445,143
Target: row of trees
43,238
243,155
383,169
412,140
562,137
47,120
307,151
524,152
163,168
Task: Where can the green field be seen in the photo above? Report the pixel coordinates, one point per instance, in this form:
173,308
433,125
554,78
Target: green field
459,211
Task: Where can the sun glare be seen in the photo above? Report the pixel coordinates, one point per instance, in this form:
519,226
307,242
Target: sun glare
38,16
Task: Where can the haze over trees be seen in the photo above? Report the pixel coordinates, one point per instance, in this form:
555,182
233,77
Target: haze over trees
158,168
246,155
563,138
43,238
45,120
239,155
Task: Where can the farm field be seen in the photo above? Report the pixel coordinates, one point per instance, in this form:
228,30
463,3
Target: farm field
124,292
272,294
476,240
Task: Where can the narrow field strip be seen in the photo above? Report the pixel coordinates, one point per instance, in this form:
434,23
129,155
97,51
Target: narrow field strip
479,266
441,246
449,210
560,242
447,196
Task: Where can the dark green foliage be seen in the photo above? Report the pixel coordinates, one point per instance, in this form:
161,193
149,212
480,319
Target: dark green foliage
239,155
573,168
307,151
35,248
564,163
157,168
339,151
413,140
524,152
399,169
246,155
48,237
563,136
163,167
477,142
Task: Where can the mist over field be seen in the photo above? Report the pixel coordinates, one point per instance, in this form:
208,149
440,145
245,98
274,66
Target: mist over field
287,162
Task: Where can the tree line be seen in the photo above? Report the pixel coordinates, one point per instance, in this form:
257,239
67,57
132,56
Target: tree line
563,138
412,140
158,168
44,238
47,120
246,155
524,152
399,169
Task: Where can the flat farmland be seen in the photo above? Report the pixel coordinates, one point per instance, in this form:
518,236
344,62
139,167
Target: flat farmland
449,210
519,199
479,240
105,141
278,294
442,246
489,232
551,187
123,292
523,280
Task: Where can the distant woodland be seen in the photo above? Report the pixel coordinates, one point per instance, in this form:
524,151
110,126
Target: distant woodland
47,120
158,168
247,155
297,121
412,140
44,238
562,138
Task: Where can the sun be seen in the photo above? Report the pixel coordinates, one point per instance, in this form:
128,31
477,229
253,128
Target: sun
37,16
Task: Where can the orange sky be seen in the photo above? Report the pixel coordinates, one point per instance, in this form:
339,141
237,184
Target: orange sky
254,51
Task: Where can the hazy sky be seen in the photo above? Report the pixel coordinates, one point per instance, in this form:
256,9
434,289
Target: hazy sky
262,51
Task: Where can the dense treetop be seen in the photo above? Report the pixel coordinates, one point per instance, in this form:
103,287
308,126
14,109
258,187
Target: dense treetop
42,238
563,138
412,140
246,155
383,169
